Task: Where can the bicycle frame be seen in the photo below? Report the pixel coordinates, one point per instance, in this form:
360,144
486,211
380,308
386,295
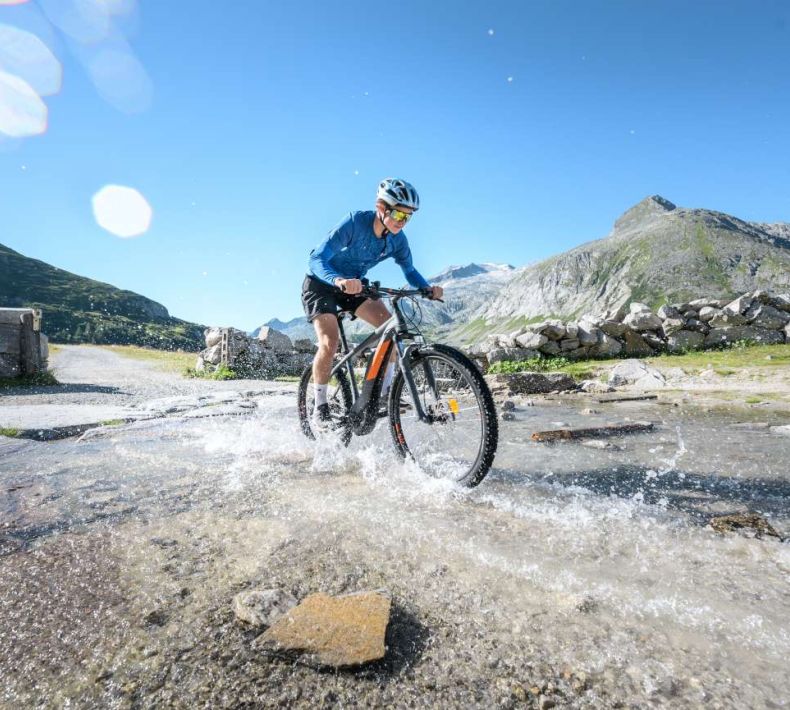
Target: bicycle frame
364,410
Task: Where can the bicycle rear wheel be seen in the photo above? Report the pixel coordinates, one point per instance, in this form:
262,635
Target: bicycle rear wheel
338,397
461,442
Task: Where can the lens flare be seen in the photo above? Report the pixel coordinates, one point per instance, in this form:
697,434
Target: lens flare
122,211
12,2
24,55
22,112
120,80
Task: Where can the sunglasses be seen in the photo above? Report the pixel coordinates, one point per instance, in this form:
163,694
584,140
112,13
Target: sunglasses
400,216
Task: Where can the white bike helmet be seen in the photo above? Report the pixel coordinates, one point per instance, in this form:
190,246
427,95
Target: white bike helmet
398,192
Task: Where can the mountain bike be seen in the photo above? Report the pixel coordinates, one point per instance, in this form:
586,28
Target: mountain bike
440,411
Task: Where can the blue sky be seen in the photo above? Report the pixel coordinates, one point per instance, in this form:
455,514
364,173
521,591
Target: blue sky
527,127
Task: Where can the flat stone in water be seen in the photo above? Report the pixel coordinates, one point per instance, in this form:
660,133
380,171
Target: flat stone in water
340,632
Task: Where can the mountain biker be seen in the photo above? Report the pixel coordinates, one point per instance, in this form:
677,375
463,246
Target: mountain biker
337,265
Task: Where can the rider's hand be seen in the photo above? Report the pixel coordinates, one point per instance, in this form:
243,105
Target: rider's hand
349,286
436,293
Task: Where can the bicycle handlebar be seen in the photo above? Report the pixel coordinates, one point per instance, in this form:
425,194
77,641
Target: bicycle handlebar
374,289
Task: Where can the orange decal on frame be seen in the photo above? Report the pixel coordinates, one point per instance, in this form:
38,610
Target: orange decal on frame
378,356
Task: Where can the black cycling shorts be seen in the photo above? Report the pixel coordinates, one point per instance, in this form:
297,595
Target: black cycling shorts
319,297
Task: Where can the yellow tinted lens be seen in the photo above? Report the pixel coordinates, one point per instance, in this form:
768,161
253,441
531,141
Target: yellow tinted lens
399,216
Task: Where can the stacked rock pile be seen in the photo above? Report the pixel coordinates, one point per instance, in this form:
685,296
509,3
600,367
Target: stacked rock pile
636,331
271,354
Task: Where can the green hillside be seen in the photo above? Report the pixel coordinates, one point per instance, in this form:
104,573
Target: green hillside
80,310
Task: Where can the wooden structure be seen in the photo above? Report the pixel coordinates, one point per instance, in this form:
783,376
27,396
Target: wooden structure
23,348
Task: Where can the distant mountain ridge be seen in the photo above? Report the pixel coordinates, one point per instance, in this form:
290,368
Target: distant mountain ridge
77,309
656,253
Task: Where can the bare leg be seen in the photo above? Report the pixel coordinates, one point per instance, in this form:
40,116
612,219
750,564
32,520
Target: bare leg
328,335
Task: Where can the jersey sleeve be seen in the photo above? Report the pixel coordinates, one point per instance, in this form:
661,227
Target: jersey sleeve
337,240
402,256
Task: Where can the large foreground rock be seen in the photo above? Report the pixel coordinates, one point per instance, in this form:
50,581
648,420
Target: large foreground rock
340,632
529,383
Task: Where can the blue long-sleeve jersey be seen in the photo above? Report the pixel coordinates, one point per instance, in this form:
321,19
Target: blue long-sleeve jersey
352,248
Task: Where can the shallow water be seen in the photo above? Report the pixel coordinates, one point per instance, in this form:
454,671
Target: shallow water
122,553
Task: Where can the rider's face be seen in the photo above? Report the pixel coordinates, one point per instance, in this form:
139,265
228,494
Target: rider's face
393,224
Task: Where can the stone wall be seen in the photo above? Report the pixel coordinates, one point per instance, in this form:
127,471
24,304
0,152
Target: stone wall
637,331
24,348
271,354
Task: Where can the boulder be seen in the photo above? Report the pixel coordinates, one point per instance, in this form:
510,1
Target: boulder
666,312
673,325
787,333
642,320
721,336
764,316
705,314
518,383
740,305
703,302
751,524
606,347
684,340
694,324
781,302
636,373
589,334
654,340
635,344
727,319
338,632
274,339
531,341
571,331
614,328
567,345
213,336
550,348
637,307
213,355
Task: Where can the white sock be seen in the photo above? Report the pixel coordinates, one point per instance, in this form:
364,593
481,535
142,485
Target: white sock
320,394
388,375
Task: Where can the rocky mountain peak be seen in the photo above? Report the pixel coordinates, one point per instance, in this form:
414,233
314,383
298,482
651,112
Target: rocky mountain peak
646,210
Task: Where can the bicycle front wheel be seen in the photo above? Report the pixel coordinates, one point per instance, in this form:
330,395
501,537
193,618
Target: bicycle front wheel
460,442
338,397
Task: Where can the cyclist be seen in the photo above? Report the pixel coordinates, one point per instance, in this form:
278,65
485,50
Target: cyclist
337,265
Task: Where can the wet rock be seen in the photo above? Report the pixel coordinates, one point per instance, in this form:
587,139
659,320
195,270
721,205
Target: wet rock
750,523
340,632
508,405
508,416
589,411
262,607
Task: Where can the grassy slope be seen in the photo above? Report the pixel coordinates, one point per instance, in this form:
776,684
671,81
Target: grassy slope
80,310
